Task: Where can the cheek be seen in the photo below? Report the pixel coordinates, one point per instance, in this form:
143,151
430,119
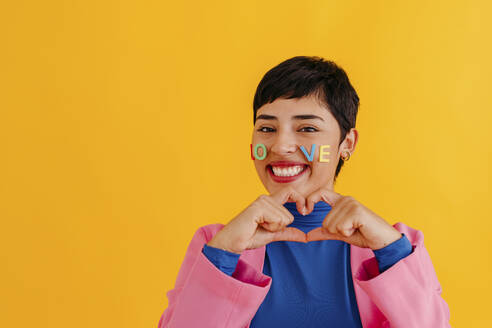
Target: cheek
260,167
321,169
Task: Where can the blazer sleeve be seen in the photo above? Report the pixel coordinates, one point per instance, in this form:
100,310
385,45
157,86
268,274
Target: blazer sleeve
408,293
206,297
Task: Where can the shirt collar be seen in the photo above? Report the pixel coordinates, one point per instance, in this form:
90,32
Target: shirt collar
313,219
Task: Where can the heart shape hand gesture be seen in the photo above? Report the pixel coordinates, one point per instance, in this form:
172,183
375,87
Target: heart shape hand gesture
266,220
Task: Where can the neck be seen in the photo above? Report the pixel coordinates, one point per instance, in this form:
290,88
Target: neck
312,220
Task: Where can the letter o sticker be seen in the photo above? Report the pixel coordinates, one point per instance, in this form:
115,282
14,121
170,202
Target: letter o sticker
256,151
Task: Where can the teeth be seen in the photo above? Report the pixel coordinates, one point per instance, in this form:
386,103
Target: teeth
287,171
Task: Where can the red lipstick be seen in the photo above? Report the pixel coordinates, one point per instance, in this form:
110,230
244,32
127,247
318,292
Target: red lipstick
281,179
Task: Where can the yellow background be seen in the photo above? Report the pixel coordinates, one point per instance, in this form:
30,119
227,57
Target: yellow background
125,126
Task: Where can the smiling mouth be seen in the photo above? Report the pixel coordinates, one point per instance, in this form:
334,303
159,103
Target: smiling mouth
287,171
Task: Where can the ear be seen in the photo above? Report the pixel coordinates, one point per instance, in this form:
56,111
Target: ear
350,141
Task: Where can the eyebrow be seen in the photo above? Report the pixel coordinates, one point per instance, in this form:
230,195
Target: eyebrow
296,117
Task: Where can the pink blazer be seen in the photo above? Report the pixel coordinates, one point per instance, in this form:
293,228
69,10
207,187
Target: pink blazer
407,295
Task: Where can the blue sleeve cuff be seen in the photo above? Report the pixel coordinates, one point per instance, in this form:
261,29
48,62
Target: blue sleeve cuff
224,260
392,253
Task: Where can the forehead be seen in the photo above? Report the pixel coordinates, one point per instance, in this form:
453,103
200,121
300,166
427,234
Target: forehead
285,108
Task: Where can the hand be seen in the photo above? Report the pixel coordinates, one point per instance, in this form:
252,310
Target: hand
350,221
262,222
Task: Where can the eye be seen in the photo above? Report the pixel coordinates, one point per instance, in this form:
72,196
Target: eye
270,129
309,127
264,127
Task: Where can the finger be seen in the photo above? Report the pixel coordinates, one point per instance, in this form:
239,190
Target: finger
346,227
287,217
289,234
340,214
289,194
273,216
263,237
333,215
271,221
330,196
322,234
313,199
278,211
300,201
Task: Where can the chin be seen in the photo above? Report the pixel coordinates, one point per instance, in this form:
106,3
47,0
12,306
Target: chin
300,188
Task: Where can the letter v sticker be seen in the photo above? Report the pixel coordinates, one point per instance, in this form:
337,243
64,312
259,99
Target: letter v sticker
309,157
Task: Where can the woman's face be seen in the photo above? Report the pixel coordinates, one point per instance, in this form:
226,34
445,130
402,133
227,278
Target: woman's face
285,125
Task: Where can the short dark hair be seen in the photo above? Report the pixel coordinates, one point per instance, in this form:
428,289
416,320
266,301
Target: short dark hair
302,76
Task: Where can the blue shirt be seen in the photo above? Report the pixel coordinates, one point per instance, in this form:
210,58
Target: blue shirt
311,283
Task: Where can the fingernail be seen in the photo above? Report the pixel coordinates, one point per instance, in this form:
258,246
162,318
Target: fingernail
304,210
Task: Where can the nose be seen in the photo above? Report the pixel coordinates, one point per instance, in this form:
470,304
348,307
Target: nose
284,143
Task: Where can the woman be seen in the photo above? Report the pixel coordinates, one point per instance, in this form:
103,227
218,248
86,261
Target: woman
290,258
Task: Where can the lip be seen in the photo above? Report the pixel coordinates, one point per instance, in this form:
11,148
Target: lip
284,164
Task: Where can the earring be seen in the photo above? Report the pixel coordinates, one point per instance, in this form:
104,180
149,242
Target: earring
346,158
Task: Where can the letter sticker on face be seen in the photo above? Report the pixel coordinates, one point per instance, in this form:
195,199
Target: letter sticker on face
309,157
255,152
323,150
